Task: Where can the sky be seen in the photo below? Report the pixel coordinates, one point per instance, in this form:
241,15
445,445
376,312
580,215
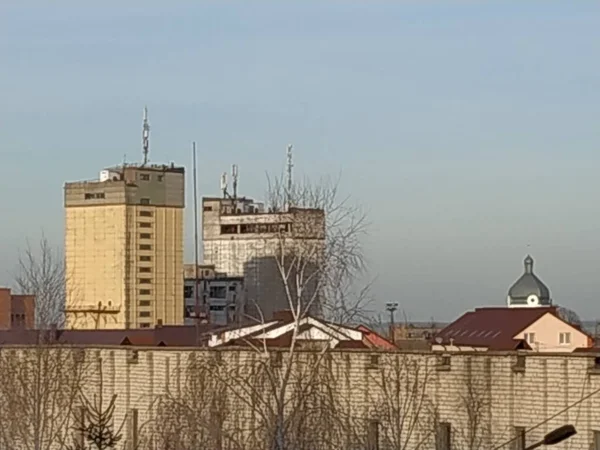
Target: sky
468,130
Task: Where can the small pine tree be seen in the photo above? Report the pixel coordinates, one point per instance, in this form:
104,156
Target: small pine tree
96,426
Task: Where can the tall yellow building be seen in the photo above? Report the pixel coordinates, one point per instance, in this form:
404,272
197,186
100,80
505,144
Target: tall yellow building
124,248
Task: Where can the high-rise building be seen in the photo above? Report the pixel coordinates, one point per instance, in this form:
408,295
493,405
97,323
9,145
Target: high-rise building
241,239
124,248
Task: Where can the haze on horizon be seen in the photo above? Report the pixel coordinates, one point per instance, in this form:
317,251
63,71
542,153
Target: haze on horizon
470,130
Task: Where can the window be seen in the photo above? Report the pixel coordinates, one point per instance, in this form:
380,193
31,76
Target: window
529,338
519,438
90,195
145,269
232,288
443,436
145,247
145,236
144,201
144,325
229,229
207,208
145,213
145,225
146,258
144,177
373,435
160,177
144,302
248,228
145,292
564,338
145,281
144,313
188,291
218,292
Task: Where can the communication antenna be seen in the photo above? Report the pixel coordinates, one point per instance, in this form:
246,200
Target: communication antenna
224,184
234,176
290,166
145,136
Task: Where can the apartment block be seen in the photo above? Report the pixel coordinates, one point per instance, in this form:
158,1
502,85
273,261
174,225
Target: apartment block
124,248
241,239
220,297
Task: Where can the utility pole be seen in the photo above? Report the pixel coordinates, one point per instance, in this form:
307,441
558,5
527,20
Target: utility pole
391,308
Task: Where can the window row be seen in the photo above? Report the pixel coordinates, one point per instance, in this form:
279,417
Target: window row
91,195
147,177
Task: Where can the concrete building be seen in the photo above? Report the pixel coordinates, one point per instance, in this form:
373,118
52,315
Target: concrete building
220,297
241,239
16,311
124,248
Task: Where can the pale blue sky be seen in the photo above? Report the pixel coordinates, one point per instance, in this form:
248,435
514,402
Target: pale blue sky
469,129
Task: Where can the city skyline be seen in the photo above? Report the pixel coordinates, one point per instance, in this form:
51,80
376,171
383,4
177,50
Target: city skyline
464,171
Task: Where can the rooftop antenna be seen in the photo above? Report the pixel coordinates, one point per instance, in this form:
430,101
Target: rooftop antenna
290,166
145,136
234,176
224,184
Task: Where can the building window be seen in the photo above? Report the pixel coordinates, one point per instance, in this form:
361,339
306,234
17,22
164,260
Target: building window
232,288
160,177
529,338
145,292
145,247
144,201
144,325
229,229
207,208
146,258
145,213
218,292
144,313
144,302
564,338
519,438
145,269
145,225
443,436
90,195
145,236
144,177
188,291
145,280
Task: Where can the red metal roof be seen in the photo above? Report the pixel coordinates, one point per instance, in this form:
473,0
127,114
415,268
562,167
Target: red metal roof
493,328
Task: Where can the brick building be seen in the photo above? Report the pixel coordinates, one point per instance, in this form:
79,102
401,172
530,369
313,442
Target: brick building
16,311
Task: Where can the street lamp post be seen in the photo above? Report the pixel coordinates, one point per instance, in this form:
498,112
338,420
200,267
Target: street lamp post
391,307
555,436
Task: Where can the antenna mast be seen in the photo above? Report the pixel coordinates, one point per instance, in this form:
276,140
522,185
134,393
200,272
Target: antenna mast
224,184
196,293
234,176
290,166
145,136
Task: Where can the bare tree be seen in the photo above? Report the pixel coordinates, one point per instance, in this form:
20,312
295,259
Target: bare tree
41,272
197,416
473,430
402,406
569,316
39,388
312,257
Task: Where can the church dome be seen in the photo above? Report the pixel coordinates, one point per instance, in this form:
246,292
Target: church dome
529,290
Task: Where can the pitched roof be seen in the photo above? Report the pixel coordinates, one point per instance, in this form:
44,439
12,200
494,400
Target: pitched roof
493,328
